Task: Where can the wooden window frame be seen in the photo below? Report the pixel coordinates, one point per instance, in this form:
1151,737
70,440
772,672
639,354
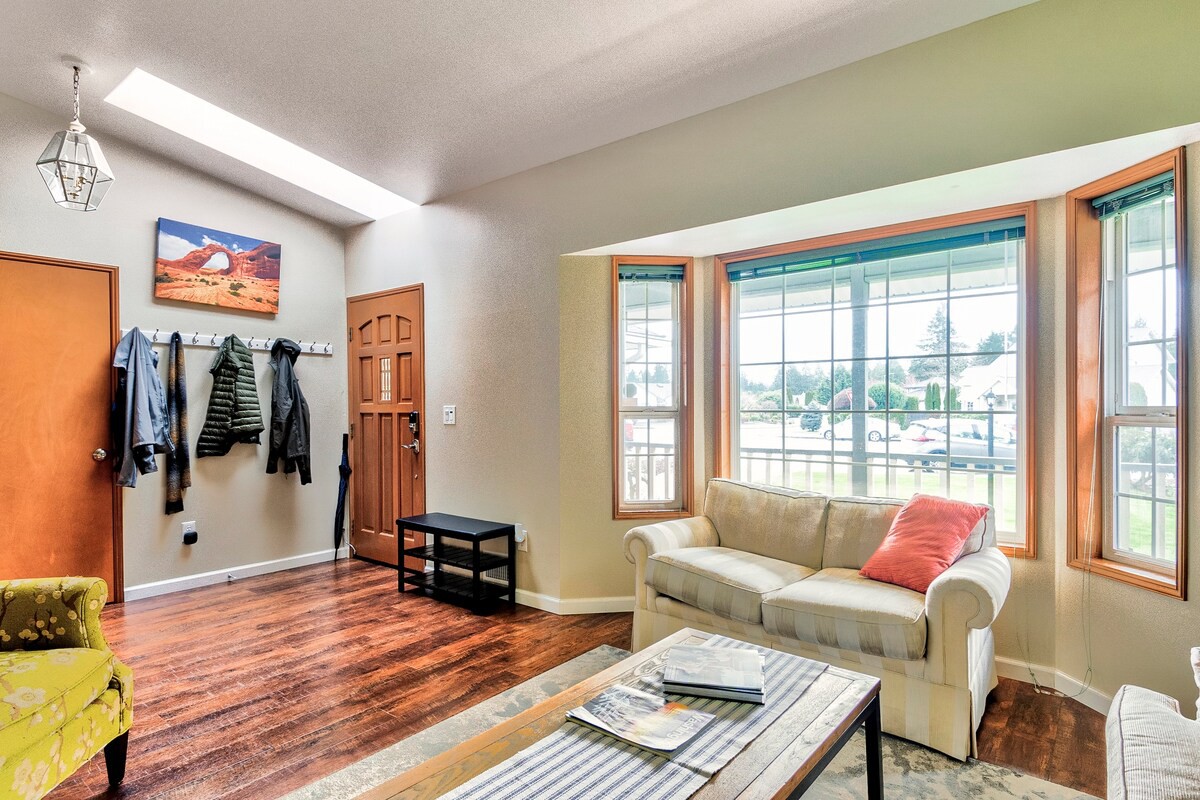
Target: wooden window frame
1084,381
685,466
1028,296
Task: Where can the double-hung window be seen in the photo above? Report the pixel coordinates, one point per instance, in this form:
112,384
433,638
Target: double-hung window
1141,340
1124,291
651,379
885,363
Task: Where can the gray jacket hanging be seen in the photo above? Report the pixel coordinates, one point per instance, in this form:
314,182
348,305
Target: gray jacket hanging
140,420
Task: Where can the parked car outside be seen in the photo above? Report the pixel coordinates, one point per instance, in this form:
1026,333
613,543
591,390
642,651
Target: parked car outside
968,438
877,429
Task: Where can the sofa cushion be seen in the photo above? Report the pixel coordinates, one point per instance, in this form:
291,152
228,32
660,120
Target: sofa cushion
1151,747
768,520
721,581
42,689
840,608
856,527
925,539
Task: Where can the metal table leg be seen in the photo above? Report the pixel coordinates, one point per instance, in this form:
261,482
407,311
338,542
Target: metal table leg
874,732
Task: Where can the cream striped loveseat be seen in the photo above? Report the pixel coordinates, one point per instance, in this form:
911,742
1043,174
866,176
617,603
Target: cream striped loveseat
780,568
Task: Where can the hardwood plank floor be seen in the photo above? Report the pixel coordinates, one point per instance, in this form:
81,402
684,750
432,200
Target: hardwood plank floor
256,688
1047,735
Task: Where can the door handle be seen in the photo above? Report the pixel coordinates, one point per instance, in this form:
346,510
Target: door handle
415,447
99,454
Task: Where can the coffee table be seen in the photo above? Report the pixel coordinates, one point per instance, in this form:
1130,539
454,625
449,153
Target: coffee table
782,762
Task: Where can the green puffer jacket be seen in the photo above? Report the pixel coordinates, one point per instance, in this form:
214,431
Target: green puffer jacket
233,412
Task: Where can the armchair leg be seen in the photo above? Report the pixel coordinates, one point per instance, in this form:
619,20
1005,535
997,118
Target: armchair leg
114,758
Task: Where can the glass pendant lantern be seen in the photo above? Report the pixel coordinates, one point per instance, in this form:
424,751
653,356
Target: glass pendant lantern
73,167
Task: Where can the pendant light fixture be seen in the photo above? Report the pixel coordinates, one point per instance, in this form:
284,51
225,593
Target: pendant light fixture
74,169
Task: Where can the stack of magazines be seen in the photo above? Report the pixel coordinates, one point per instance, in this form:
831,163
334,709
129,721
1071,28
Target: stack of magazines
720,672
642,719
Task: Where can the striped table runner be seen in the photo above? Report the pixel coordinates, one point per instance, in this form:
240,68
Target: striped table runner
578,763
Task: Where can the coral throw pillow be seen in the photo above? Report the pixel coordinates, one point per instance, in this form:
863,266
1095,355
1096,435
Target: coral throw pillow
925,538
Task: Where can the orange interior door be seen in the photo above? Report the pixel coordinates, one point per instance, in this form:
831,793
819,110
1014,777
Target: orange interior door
387,383
62,512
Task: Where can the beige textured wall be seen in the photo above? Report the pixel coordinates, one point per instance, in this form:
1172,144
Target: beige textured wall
244,516
1026,627
593,564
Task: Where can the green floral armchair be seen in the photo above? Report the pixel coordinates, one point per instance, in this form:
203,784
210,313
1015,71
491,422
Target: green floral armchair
63,694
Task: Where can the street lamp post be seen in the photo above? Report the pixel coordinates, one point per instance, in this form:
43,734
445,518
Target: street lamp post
990,397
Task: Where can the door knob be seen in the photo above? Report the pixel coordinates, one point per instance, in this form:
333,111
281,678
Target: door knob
99,454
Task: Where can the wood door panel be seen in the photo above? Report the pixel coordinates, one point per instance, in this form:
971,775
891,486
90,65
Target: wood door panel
386,384
404,390
61,507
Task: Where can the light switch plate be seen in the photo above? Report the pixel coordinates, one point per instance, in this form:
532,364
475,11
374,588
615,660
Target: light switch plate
447,415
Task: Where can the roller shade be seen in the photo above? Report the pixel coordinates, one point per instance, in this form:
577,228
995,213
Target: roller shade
1146,191
650,272
945,239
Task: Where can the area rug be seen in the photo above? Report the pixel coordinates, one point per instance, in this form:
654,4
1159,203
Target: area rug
910,771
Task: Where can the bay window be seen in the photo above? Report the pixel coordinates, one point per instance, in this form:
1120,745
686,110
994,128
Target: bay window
884,363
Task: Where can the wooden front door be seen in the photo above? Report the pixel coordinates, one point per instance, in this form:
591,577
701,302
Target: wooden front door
387,385
61,505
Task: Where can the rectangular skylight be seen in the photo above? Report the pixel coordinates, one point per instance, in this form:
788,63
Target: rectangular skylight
174,109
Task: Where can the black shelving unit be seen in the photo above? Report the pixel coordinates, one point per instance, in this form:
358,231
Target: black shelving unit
491,576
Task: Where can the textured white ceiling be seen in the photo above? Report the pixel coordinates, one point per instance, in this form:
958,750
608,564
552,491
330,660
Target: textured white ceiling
431,97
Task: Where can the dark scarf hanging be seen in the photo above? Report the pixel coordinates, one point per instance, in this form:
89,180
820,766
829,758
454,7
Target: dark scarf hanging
179,468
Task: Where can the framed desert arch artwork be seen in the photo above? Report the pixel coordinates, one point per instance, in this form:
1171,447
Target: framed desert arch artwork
211,267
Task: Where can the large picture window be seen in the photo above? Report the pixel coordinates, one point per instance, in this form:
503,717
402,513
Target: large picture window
1125,288
651,381
885,365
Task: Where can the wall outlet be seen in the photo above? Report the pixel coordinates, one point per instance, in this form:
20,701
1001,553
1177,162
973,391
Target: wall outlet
447,415
522,537
189,532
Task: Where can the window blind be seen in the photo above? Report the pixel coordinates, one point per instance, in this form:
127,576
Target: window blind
942,240
650,272
1133,196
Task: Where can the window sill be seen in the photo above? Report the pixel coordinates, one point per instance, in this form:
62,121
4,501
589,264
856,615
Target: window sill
1018,551
659,514
1134,576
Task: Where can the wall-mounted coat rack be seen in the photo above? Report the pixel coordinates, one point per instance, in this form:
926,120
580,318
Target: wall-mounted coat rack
162,336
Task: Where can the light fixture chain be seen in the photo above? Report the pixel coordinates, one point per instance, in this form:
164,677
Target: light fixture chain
76,93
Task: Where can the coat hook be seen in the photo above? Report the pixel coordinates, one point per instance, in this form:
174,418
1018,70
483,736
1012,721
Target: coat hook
312,346
155,337
326,348
195,336
213,342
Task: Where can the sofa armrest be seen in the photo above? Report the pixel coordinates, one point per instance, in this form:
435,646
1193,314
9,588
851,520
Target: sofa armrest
1151,747
646,540
981,578
1196,673
46,613
960,606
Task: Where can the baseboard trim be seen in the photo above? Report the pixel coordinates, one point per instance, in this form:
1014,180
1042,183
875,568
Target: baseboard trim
144,590
1057,679
574,605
